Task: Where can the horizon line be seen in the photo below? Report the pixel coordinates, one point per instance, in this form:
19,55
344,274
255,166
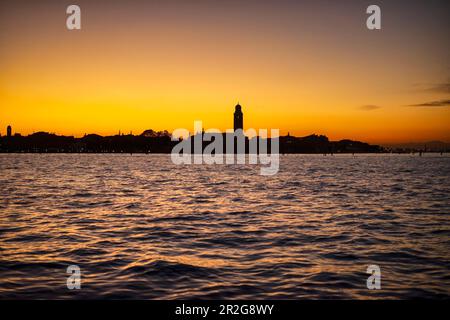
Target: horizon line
120,133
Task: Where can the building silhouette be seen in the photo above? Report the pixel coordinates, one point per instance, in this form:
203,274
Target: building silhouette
238,118
151,141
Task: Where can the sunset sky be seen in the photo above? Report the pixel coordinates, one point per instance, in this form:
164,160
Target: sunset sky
300,66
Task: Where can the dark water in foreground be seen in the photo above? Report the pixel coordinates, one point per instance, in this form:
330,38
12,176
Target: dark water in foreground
140,227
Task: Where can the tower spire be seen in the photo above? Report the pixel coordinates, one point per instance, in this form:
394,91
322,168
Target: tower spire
238,118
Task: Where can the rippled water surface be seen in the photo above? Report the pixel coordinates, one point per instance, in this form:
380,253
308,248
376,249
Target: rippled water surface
140,227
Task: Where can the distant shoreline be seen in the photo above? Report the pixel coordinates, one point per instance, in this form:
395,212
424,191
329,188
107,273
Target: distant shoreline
153,142
281,154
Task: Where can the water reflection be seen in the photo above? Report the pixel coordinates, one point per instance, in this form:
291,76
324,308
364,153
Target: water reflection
140,227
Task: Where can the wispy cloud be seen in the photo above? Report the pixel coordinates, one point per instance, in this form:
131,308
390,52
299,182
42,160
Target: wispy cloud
441,87
438,103
369,107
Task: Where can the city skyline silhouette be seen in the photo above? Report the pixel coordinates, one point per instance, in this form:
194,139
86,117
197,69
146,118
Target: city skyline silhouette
150,141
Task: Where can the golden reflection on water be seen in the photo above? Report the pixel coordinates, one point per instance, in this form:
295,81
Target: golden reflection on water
141,227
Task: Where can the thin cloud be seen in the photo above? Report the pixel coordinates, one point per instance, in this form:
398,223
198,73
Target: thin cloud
443,87
369,107
438,103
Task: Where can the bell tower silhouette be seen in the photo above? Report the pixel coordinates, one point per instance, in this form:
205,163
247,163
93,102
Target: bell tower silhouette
238,118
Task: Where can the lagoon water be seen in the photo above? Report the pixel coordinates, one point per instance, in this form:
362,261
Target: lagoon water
141,227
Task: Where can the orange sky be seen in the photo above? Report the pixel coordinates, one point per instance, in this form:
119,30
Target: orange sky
308,67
